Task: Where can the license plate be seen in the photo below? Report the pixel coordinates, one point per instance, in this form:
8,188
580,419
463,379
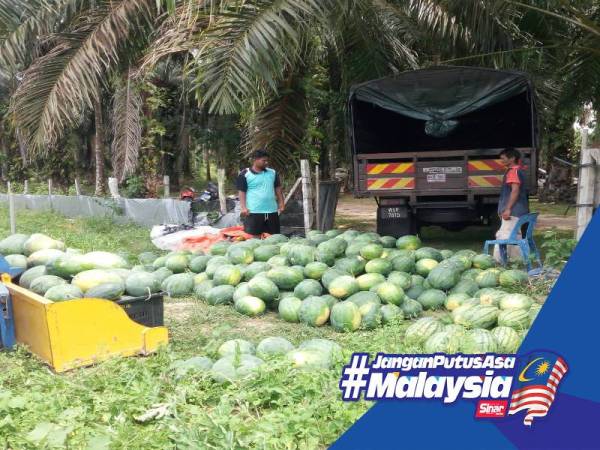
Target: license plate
456,170
394,213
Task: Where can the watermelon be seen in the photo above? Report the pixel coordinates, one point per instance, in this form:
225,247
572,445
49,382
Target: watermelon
219,295
315,270
352,265
428,253
491,297
276,239
289,308
227,274
177,263
331,349
343,286
442,342
391,313
198,278
314,311
16,261
265,252
285,277
432,299
198,263
337,247
308,359
42,284
330,275
219,248
408,242
249,306
105,260
324,257
29,275
162,273
273,346
301,255
478,341
43,257
13,244
345,316
147,258
307,288
254,269
363,297
459,312
471,274
488,278
178,285
424,266
483,261
240,254
140,284
401,279
264,289
231,368
63,292
195,363
241,290
371,316
371,251
514,318
368,280
201,289
533,312
159,262
480,316
390,293
39,241
421,330
415,291
508,340
443,278
333,233
453,301
379,265
388,241
122,273
236,346
465,286
519,301
318,238
404,263
91,278
513,278
107,291
446,253
353,249
329,299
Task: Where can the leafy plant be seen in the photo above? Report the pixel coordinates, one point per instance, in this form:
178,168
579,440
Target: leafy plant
557,249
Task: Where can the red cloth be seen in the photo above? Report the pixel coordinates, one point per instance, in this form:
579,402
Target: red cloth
512,177
206,241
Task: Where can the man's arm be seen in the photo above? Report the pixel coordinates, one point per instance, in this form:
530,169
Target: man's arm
243,208
242,186
280,199
514,195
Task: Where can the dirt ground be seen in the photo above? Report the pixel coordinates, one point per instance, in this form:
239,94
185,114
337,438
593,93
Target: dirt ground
365,210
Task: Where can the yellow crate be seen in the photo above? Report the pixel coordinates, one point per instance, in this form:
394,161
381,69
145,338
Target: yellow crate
78,332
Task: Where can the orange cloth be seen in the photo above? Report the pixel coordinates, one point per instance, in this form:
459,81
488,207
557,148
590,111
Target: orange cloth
206,241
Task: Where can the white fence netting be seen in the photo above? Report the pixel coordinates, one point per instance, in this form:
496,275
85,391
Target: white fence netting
146,212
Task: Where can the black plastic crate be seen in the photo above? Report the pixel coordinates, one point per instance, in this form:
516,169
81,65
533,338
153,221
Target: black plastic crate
147,311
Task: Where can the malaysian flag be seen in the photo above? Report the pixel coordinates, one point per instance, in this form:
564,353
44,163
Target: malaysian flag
537,385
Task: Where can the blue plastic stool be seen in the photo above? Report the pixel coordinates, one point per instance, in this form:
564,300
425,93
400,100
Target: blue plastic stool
527,245
7,325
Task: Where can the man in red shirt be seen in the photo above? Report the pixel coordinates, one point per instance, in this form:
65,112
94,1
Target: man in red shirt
514,198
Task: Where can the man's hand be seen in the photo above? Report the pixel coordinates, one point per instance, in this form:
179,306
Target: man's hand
280,209
506,214
244,212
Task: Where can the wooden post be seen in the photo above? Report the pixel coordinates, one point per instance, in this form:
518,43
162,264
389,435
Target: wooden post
113,187
167,186
585,187
221,186
317,198
306,194
294,187
26,187
77,187
11,209
49,187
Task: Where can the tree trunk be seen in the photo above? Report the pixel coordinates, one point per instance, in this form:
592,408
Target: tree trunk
206,152
335,86
99,147
183,146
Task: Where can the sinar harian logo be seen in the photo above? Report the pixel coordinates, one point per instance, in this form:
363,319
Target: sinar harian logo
528,383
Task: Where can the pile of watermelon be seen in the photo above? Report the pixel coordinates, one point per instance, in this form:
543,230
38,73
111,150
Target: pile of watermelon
238,358
350,280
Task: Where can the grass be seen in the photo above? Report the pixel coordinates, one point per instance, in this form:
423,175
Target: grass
102,407
555,209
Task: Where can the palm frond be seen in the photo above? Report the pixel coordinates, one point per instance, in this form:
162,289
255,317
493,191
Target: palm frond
60,84
248,48
127,129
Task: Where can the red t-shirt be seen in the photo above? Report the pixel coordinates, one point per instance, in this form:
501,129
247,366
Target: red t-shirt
512,176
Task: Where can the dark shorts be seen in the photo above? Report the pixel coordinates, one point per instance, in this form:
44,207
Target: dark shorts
256,224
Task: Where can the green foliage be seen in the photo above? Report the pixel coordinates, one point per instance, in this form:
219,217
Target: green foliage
557,249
